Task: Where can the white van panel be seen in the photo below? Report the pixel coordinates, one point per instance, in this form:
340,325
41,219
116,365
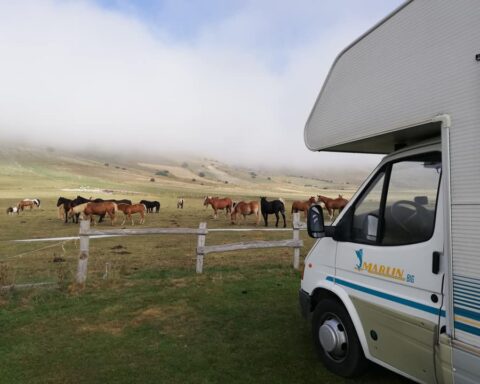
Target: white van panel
418,63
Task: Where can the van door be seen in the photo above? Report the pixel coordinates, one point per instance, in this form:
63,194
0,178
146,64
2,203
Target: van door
388,243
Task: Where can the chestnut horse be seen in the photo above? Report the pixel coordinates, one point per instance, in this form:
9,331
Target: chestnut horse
100,209
243,208
129,209
218,204
332,204
303,205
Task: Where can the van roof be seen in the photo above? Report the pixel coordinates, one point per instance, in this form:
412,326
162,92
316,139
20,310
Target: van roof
387,87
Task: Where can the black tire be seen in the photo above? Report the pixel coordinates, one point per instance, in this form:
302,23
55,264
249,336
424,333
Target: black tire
348,359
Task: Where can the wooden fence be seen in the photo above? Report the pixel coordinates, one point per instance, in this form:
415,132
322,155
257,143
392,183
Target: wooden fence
202,249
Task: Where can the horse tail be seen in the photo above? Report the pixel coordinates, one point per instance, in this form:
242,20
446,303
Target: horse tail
115,208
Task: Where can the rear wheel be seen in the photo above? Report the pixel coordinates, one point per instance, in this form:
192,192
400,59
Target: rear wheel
336,339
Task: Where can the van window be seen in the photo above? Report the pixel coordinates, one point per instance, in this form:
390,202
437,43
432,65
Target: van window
399,206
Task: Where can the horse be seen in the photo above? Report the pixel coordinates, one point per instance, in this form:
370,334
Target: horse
332,204
63,205
89,209
243,208
30,203
303,205
12,210
68,205
152,206
129,209
218,204
269,207
180,202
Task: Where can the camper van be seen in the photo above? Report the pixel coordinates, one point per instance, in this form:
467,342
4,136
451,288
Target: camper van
395,279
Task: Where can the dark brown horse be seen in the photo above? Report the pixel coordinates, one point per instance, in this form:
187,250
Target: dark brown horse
129,209
332,204
219,204
243,208
303,205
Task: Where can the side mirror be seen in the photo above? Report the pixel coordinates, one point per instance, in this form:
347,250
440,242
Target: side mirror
315,223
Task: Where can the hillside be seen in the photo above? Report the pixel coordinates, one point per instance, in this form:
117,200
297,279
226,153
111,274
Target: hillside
51,172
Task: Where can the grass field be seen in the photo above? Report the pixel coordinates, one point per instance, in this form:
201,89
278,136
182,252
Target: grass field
153,319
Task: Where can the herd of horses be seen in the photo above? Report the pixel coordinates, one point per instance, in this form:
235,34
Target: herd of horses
71,209
265,207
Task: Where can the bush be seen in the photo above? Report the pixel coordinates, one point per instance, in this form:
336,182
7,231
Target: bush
162,173
152,179
201,174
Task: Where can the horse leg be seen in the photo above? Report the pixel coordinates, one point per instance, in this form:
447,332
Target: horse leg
215,213
265,218
277,217
124,218
284,222
258,218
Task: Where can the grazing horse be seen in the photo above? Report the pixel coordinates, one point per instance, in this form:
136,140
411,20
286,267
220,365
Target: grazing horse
218,204
269,207
129,209
12,210
180,202
332,204
30,203
99,209
303,205
152,206
243,208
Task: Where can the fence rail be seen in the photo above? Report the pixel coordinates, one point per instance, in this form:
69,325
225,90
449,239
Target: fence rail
86,233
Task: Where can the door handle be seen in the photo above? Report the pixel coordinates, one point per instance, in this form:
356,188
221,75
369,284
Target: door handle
436,262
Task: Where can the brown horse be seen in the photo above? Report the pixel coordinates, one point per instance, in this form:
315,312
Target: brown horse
243,208
332,204
99,209
218,204
28,203
129,209
303,205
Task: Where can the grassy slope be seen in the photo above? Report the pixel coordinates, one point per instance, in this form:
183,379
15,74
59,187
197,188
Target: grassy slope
153,319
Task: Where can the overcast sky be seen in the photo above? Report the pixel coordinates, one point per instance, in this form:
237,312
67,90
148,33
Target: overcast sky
230,79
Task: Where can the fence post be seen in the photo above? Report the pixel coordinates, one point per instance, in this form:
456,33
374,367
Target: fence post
84,251
296,236
200,244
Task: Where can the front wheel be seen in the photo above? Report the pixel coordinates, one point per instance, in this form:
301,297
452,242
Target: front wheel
336,339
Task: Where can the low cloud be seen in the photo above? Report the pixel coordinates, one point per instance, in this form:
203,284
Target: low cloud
74,74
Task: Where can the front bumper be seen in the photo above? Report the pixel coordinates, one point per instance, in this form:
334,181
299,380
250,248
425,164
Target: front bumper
305,303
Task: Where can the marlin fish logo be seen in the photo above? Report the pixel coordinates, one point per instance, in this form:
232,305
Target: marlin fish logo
359,254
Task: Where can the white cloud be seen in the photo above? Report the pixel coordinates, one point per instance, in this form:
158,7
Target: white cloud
74,74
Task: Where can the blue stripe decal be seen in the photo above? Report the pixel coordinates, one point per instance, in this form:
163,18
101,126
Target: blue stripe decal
467,328
386,296
467,313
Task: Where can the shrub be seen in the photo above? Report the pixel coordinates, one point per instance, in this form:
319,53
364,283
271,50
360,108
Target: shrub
201,174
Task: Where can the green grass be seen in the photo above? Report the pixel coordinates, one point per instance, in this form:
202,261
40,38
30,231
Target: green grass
153,320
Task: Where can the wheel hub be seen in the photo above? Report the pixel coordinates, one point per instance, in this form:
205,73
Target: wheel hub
333,338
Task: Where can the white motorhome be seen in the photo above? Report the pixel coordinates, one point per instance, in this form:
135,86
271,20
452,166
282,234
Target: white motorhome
396,278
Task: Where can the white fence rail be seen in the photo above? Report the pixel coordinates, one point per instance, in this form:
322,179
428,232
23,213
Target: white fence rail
201,232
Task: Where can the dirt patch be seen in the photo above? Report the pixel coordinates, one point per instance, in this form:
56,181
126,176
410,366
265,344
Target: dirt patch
111,327
175,319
